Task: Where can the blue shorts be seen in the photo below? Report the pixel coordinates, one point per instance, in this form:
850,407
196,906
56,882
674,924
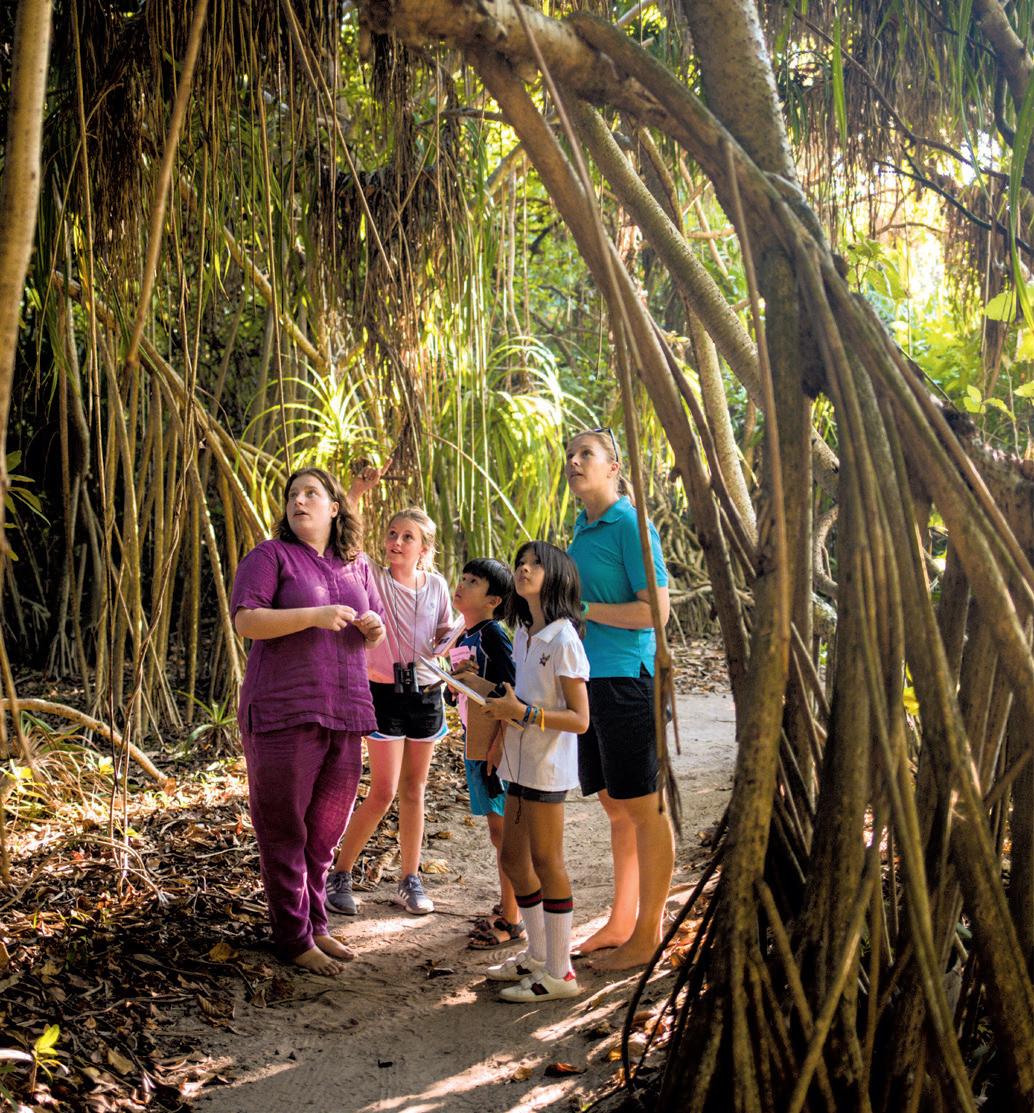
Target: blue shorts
480,801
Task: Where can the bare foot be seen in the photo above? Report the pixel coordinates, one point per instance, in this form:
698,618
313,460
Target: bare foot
626,957
316,962
607,936
330,946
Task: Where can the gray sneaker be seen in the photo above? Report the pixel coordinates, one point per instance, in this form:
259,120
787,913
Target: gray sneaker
340,897
412,897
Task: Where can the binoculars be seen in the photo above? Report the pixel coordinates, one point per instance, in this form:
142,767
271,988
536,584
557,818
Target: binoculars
405,678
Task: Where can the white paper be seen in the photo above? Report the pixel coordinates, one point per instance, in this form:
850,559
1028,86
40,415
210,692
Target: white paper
453,681
451,635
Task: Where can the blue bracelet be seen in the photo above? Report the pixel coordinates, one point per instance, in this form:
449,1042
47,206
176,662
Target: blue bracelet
527,714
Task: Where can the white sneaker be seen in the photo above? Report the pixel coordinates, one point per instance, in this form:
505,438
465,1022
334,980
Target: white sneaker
542,987
514,968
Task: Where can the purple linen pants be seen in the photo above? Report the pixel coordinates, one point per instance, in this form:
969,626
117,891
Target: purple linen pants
302,784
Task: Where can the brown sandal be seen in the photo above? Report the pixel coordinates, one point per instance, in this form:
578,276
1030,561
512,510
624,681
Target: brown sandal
485,936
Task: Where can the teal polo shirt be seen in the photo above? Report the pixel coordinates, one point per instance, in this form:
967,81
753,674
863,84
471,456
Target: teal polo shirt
610,563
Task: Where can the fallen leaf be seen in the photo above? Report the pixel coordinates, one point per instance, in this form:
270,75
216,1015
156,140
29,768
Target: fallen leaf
637,1044
220,1009
5,956
438,971
117,1060
192,1089
280,988
222,952
434,865
561,1070
443,834
522,1073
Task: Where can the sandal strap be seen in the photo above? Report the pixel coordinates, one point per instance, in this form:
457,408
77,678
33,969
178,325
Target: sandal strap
486,932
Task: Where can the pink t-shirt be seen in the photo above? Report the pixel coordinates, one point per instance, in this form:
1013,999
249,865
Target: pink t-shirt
415,622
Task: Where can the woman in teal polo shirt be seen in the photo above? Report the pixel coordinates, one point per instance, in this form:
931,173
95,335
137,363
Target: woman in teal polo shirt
617,755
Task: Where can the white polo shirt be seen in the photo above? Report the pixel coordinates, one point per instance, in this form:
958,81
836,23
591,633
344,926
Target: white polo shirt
544,759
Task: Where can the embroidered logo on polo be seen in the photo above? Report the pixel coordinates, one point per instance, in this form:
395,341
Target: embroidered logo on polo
544,658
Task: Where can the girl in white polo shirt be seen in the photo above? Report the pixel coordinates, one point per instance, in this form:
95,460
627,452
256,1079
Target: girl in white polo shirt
548,708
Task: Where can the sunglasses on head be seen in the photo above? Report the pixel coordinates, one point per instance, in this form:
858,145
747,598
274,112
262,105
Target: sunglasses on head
613,440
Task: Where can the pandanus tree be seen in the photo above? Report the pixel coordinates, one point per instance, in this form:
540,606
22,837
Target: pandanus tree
234,225
857,836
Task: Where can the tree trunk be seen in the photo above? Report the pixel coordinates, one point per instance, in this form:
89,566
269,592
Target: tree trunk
19,193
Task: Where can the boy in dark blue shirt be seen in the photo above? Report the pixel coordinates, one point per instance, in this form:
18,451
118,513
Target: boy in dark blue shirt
485,648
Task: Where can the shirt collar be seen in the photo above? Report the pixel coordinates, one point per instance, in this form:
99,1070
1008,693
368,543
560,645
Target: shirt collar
549,633
611,514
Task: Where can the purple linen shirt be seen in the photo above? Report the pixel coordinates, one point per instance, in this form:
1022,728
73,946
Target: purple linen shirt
314,675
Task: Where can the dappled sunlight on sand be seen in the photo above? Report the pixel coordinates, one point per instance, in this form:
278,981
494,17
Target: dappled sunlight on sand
413,1026
503,1067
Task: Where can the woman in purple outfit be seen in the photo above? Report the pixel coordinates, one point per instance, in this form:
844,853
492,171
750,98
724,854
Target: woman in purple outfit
308,602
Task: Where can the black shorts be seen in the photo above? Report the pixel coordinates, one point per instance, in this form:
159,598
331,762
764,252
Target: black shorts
536,795
618,752
416,715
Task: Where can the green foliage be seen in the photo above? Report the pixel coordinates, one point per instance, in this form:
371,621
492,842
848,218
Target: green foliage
217,730
19,491
1024,133
43,1048
41,1056
945,340
494,461
19,494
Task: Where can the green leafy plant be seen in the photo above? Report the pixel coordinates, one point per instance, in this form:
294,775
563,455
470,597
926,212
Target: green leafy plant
41,1056
217,730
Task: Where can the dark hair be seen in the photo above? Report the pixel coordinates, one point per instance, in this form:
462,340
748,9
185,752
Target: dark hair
498,577
561,587
346,530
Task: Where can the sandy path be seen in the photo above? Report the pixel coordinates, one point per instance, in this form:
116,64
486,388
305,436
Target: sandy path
388,1038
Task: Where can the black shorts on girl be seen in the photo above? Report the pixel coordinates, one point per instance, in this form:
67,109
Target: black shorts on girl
536,795
619,752
416,715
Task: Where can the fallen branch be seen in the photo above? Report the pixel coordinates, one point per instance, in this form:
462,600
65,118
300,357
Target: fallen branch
88,722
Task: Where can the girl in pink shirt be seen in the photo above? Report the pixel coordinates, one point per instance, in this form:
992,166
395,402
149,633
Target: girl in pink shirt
407,699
